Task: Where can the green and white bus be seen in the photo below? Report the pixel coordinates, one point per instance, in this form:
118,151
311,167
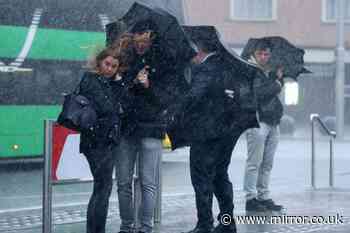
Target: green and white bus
44,46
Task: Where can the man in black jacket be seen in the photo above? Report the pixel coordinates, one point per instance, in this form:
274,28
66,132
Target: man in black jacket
212,125
262,142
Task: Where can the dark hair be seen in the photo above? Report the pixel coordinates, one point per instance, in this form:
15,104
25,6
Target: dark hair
206,46
262,44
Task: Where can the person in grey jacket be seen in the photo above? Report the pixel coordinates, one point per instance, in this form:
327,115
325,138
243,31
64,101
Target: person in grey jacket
262,142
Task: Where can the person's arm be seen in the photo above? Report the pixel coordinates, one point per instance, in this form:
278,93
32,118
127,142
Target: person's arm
266,88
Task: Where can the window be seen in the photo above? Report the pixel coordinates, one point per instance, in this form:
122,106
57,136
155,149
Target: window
330,10
264,10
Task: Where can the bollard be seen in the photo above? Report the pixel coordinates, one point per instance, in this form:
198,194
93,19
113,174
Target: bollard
47,184
312,117
331,162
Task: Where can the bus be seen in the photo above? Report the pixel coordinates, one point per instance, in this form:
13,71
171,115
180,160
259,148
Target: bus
44,46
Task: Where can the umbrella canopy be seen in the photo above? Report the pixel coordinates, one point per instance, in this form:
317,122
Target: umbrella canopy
283,54
170,35
114,30
237,74
211,35
238,69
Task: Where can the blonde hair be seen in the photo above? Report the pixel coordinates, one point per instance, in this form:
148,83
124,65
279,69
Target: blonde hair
123,48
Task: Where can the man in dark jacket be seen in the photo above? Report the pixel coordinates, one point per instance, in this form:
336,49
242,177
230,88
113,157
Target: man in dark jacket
262,142
212,123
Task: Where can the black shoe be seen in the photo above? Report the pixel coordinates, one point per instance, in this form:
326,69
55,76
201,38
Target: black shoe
255,205
231,228
200,230
270,205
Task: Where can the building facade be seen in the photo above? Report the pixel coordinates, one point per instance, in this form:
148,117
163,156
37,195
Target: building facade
310,25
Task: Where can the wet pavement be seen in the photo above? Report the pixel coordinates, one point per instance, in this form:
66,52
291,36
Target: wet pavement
20,195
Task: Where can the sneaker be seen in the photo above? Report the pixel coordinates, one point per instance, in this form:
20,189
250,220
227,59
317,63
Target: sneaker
254,205
270,205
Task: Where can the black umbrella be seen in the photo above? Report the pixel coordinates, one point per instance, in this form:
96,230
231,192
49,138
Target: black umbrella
283,54
241,71
171,37
113,31
237,71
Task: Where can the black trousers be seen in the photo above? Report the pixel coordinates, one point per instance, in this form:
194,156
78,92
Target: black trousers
209,162
101,165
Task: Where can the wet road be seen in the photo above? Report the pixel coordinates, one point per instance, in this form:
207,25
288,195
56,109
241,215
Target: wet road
21,192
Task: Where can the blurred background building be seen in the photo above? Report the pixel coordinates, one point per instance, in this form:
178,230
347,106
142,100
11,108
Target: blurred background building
310,25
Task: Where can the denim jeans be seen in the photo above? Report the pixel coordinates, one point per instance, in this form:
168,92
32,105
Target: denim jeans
149,151
262,144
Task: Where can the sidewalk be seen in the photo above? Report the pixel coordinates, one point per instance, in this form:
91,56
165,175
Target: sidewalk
179,215
20,193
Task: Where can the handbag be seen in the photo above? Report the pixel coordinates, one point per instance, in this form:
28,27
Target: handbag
77,113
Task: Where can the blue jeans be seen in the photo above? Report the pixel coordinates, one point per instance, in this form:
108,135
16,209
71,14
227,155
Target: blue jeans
149,151
262,144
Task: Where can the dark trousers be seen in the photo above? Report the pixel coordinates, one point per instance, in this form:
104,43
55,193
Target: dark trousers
101,165
209,162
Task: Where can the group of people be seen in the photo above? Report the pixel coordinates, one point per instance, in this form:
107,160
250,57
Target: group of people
120,87
126,84
214,121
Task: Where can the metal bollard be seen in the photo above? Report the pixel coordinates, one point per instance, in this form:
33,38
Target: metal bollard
312,117
47,184
331,162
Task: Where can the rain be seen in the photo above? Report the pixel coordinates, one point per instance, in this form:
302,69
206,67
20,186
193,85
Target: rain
47,46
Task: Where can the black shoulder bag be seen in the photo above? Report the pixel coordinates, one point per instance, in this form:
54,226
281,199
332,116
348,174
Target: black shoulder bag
77,112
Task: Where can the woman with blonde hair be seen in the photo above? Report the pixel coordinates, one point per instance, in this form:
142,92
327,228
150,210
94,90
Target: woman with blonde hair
98,142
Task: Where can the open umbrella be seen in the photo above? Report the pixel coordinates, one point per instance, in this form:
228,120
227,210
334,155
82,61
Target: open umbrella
171,37
211,35
168,56
283,54
241,71
113,30
237,73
